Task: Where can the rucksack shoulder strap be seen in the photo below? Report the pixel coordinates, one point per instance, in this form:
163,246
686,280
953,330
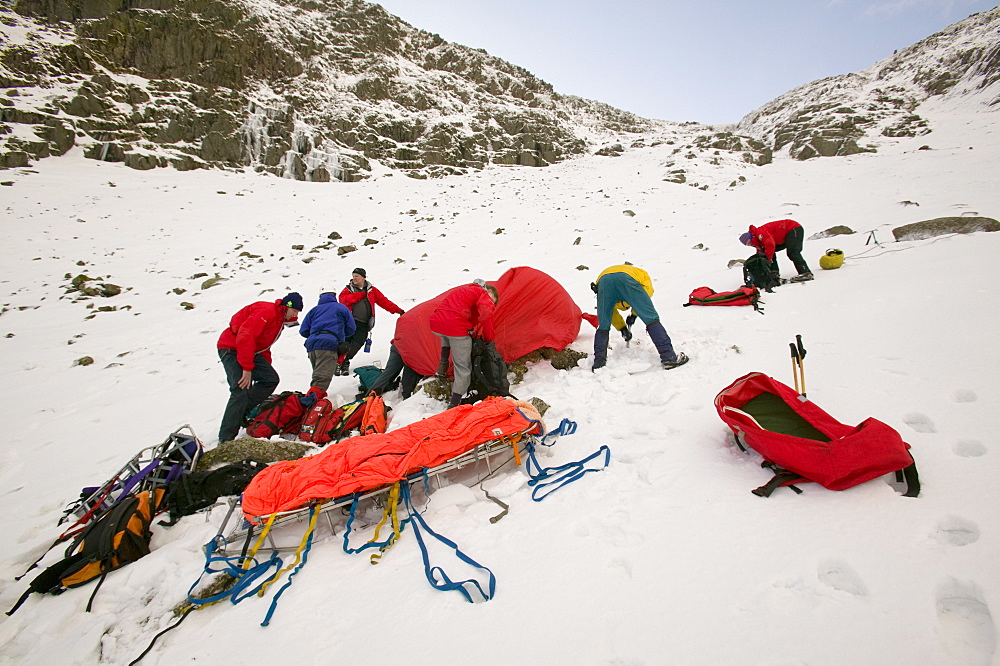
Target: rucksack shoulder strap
909,476
781,478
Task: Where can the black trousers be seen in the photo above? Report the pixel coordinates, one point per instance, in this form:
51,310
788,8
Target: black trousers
792,248
393,367
357,341
263,381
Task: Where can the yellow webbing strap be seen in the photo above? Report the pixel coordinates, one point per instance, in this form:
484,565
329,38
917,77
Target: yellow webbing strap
263,534
313,516
390,514
515,440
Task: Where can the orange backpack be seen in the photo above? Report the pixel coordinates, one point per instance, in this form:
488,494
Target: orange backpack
119,537
374,419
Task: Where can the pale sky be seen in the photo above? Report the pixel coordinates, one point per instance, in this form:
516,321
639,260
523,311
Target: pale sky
711,61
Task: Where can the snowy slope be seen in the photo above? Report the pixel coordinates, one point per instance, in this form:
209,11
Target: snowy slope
664,557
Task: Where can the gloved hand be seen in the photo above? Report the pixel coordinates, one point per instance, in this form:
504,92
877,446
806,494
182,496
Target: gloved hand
629,320
627,333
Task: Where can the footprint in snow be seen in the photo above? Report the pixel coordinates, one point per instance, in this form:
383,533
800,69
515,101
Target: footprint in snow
841,576
622,567
970,448
956,531
919,422
964,395
965,624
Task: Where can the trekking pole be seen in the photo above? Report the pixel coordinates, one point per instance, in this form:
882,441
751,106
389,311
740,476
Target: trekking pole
802,369
795,366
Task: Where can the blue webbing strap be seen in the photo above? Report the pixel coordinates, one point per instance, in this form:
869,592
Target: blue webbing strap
369,544
566,427
232,566
554,478
436,576
288,583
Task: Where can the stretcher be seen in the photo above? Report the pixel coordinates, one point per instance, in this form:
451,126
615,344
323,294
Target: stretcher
477,464
333,490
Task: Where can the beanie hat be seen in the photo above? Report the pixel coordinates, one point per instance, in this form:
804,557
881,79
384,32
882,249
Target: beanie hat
361,272
293,300
745,238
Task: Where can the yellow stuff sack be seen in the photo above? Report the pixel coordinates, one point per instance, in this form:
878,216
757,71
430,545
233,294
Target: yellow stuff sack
832,259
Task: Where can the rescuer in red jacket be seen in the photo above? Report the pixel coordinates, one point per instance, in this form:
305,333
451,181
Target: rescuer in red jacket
245,352
784,235
465,311
360,296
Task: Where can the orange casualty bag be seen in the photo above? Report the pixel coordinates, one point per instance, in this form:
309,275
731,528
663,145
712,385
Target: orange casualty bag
369,461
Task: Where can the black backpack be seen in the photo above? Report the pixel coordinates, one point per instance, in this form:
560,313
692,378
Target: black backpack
195,491
119,537
757,272
489,372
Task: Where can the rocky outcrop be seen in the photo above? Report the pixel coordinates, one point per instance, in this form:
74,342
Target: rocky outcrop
944,225
298,88
853,113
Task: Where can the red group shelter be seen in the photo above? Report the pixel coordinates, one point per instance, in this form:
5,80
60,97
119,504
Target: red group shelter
534,312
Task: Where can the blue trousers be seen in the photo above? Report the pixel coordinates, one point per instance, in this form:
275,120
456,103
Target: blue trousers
615,287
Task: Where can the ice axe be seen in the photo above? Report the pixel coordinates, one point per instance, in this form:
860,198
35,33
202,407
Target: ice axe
627,330
798,365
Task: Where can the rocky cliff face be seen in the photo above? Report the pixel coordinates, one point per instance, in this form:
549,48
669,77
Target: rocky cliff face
848,114
330,89
310,89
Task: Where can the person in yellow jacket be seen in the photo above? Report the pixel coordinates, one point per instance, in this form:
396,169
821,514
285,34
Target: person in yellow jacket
620,288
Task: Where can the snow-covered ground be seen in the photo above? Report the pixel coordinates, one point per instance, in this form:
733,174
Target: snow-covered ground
665,557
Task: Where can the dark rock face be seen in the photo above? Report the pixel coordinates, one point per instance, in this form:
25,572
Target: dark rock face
312,90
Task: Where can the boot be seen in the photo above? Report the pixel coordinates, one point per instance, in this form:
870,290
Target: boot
661,341
600,348
456,400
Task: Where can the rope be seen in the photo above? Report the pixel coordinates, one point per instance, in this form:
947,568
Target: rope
157,636
860,255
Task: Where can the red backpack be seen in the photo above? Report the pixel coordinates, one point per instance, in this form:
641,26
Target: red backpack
321,419
741,296
279,413
349,417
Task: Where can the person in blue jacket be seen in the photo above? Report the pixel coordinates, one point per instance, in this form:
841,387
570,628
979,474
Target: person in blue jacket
325,327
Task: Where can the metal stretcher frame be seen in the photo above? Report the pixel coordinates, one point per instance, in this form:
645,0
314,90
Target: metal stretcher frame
486,453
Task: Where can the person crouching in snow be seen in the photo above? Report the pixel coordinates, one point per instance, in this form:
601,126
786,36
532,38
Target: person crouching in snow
325,327
620,285
245,351
784,235
464,312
